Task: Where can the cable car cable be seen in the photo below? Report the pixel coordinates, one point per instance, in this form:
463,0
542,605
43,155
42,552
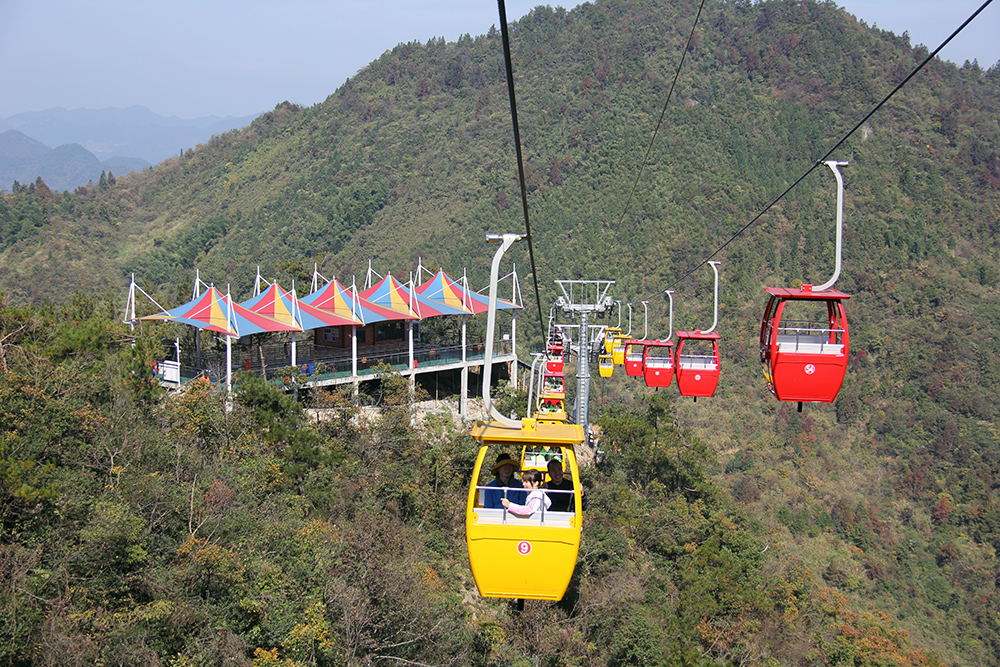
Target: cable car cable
830,152
656,129
505,34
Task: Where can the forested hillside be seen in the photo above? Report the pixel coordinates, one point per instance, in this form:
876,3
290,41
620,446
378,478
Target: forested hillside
731,529
144,529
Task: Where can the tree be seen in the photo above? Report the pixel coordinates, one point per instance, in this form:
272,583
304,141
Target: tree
651,447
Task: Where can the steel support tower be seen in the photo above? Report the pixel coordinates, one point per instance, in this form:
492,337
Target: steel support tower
583,297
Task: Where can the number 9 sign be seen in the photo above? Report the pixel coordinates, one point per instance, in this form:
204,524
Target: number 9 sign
524,547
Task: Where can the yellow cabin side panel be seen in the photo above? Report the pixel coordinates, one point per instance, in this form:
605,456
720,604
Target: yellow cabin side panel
523,562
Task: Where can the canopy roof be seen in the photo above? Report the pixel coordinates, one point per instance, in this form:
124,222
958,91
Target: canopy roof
444,289
215,311
390,293
281,305
278,309
337,299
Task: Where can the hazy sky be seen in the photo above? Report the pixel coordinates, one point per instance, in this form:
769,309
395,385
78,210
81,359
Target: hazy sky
192,58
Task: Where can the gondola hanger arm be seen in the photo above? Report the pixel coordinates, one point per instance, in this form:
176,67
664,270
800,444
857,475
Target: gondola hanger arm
506,241
833,165
715,322
670,296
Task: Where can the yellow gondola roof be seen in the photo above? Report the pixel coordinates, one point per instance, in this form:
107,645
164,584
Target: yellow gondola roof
531,431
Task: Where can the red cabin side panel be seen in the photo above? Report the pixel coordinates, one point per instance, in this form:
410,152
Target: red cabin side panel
808,377
633,358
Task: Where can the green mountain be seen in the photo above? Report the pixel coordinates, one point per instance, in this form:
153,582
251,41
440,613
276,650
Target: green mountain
804,538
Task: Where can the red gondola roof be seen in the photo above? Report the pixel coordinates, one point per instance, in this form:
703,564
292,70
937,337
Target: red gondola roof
699,335
805,292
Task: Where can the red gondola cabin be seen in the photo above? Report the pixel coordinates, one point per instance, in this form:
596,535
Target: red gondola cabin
553,385
804,343
555,353
554,363
658,363
633,357
697,364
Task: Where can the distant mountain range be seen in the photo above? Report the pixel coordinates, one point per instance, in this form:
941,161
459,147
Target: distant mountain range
22,159
67,148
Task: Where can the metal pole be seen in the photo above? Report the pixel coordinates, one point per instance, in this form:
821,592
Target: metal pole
413,367
583,375
670,295
513,328
354,358
463,402
715,322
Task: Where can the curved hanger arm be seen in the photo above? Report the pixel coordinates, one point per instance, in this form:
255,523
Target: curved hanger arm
715,322
670,295
538,357
833,164
506,241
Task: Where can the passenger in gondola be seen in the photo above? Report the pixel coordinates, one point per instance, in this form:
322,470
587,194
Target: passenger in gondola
561,502
554,384
503,479
536,497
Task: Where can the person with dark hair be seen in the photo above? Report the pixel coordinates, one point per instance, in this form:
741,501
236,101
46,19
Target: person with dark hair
561,502
503,472
532,480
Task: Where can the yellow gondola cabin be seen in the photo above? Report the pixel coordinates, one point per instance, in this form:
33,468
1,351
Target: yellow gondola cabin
511,556
605,365
523,557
